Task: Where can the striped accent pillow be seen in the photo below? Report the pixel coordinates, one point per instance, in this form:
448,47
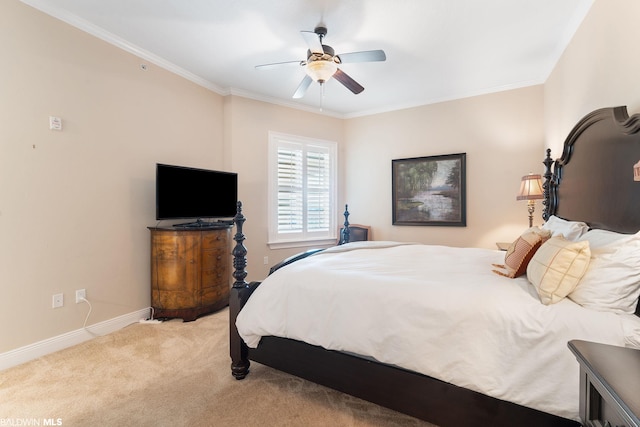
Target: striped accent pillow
521,251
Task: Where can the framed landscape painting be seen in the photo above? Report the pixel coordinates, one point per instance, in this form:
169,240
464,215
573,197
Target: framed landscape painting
430,190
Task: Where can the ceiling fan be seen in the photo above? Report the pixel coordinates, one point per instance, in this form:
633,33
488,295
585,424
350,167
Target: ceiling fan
322,63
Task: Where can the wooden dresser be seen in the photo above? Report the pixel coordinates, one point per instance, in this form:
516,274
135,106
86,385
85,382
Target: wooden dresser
190,270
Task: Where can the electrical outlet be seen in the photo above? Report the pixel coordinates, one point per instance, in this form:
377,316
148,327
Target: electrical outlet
266,260
58,301
80,295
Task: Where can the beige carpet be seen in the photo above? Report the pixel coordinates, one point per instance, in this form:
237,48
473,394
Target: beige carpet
172,374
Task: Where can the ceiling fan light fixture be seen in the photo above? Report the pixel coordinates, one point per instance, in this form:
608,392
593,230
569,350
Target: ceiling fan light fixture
321,70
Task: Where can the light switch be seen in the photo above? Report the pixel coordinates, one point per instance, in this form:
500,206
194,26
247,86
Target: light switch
55,123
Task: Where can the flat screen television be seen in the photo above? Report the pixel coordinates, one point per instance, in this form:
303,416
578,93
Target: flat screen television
184,192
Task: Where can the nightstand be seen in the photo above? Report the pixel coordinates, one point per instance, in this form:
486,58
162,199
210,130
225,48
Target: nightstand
503,246
609,384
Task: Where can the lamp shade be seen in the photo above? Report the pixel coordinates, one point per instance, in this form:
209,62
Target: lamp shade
530,187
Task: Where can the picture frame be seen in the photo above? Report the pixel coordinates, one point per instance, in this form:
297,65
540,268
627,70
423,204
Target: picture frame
430,190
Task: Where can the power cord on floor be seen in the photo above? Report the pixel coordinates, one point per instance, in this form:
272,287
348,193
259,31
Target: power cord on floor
151,319
90,308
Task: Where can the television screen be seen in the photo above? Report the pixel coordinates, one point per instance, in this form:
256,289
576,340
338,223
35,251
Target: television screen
183,192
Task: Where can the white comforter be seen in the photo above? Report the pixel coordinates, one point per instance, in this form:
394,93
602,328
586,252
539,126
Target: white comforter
436,310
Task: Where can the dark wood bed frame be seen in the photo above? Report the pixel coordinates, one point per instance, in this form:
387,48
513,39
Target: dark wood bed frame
598,189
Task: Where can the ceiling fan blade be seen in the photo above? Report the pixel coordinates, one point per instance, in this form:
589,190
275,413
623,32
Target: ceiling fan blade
347,81
302,87
277,64
364,56
313,41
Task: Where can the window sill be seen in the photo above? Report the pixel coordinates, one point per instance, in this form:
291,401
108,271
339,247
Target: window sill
303,243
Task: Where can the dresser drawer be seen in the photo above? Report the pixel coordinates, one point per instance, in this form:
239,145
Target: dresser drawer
216,239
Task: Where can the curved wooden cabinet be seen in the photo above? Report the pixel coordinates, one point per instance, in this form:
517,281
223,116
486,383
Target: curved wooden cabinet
190,271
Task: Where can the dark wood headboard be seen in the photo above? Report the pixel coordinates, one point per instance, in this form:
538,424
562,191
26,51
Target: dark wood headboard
598,186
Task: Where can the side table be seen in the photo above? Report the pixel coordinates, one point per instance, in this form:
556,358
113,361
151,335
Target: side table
609,384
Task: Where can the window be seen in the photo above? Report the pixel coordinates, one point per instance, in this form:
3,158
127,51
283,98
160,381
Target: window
302,190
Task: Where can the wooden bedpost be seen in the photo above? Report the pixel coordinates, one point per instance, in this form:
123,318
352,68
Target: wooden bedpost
547,187
345,230
238,295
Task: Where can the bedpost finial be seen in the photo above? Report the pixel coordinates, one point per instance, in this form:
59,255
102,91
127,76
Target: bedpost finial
546,186
239,252
345,230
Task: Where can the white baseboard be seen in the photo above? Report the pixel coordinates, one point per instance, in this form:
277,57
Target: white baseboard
51,345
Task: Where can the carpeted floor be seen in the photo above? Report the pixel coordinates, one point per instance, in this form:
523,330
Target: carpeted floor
172,374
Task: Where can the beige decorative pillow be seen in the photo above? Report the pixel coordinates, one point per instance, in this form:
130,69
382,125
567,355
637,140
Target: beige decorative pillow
521,251
557,267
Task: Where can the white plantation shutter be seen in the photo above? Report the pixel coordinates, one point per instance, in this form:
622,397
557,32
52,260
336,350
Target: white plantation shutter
290,189
302,189
318,187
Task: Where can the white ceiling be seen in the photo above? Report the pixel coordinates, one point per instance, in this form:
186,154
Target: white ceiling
437,50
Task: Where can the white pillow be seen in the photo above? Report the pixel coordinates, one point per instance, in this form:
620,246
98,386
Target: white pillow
612,281
557,267
598,238
571,230
631,331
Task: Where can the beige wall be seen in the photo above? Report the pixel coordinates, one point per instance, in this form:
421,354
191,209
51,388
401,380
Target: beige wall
248,123
75,204
502,136
600,68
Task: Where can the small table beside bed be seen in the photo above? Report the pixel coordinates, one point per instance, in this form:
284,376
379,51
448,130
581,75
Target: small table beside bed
464,336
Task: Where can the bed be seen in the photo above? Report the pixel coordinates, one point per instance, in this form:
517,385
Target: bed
489,351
